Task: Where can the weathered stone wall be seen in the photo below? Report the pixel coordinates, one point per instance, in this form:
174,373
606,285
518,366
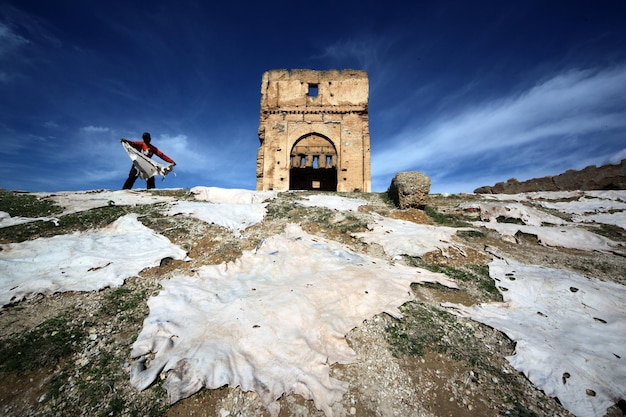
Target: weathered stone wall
606,177
314,122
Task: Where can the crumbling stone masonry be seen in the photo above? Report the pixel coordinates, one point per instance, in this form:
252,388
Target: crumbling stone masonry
314,131
605,177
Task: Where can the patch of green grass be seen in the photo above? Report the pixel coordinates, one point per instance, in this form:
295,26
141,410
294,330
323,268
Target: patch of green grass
94,390
611,231
228,250
156,407
352,224
319,215
445,219
178,193
26,205
288,209
589,266
477,275
470,234
93,218
57,382
44,346
84,220
417,333
425,328
115,407
511,220
93,385
96,387
518,410
526,237
122,301
385,198
281,209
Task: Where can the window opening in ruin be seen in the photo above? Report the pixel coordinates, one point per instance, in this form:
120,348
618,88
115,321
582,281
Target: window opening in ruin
316,161
313,90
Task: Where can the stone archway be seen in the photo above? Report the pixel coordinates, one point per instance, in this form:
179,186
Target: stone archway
313,164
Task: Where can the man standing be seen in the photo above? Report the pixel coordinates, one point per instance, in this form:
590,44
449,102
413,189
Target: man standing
147,149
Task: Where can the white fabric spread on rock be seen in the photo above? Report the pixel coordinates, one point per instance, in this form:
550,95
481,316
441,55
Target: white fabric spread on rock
570,332
76,201
146,167
542,196
491,211
565,234
400,237
601,206
333,202
565,237
233,196
271,322
86,261
6,220
585,205
615,218
235,217
608,207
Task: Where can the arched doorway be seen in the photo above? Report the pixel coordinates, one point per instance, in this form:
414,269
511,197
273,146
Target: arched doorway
313,164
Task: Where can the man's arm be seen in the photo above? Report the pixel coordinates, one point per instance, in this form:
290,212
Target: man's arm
136,145
161,155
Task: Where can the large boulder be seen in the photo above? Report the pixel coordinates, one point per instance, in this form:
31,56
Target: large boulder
409,189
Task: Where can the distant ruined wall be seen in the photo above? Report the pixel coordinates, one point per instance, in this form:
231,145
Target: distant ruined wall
606,177
314,131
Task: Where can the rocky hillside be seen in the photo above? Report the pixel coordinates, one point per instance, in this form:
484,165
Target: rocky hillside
605,177
69,352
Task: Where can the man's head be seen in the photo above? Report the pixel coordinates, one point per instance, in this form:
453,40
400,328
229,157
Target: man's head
146,137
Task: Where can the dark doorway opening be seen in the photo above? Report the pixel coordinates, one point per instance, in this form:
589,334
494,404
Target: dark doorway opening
322,179
313,164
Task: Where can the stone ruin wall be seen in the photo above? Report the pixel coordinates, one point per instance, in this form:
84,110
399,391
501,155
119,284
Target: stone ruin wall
314,131
605,177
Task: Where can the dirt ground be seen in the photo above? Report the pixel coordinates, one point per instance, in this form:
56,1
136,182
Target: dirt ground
68,354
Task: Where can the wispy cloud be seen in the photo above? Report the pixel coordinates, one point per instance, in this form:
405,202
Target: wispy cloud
94,129
570,105
366,51
188,154
617,157
9,40
10,43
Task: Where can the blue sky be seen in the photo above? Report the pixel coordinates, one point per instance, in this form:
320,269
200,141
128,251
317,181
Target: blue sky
468,92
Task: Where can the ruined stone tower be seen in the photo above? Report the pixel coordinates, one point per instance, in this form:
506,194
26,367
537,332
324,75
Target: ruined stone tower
314,131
